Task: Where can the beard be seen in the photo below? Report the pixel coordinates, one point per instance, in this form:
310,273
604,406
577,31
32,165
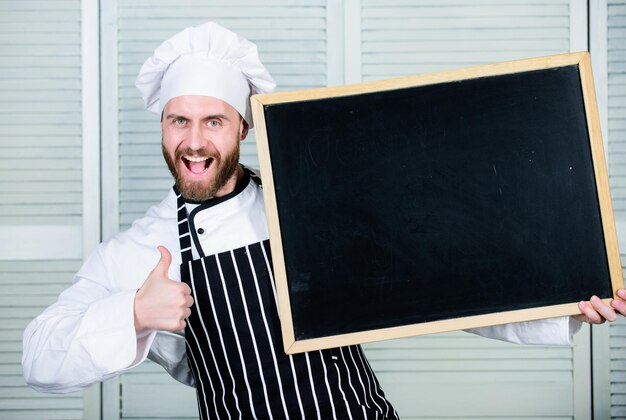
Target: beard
206,189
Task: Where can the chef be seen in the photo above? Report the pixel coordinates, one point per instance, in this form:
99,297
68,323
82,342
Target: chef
190,285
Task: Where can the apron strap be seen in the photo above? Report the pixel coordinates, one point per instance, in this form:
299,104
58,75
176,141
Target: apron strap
184,237
253,175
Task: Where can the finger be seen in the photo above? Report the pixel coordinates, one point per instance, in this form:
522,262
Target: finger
621,293
188,302
619,306
605,311
163,265
186,289
590,314
186,313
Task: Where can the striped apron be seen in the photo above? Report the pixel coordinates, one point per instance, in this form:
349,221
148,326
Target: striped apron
234,346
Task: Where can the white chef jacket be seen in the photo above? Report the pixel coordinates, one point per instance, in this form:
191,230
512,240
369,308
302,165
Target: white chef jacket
88,335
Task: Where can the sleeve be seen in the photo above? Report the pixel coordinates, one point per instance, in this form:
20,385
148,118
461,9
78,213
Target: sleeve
87,336
169,350
552,331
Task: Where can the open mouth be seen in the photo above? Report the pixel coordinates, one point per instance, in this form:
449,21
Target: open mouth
197,164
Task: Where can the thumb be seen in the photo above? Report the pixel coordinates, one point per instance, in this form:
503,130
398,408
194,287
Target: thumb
163,265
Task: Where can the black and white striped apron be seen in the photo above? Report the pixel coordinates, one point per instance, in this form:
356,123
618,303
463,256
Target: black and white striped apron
234,346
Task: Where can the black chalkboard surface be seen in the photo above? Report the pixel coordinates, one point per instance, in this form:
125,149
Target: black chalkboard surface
424,205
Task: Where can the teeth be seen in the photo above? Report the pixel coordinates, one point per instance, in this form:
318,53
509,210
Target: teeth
195,158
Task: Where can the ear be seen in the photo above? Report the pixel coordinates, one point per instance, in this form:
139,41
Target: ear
243,129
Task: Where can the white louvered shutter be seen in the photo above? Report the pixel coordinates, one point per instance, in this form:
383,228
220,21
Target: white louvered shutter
616,77
40,113
26,288
41,183
458,375
291,38
405,37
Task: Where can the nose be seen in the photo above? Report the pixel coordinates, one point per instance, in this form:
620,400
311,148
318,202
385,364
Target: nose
196,137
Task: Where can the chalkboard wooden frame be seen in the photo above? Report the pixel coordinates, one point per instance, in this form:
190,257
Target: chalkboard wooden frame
262,103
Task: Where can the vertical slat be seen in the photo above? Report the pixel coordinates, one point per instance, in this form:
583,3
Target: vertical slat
335,41
90,101
353,38
109,94
582,378
616,80
616,101
618,369
578,26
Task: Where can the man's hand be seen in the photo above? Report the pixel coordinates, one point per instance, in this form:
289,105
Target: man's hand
595,311
162,303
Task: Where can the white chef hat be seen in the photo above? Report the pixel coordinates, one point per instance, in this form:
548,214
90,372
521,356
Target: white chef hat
206,60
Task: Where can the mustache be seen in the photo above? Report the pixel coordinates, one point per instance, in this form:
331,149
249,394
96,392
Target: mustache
203,152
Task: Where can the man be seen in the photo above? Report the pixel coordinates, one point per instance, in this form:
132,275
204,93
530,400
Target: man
199,261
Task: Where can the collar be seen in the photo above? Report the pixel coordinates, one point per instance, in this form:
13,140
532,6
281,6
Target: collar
242,183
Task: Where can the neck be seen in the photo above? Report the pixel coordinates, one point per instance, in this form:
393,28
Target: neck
231,183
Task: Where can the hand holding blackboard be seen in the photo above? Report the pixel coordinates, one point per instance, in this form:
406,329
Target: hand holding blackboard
437,202
596,311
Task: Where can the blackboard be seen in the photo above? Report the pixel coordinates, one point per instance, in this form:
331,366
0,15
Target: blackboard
444,201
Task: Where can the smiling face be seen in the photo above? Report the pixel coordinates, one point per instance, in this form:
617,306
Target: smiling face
201,138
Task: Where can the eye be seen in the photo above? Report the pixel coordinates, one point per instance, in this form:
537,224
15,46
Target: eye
213,123
180,121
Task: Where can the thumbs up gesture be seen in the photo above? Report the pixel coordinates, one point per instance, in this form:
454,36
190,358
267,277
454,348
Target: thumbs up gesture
162,303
